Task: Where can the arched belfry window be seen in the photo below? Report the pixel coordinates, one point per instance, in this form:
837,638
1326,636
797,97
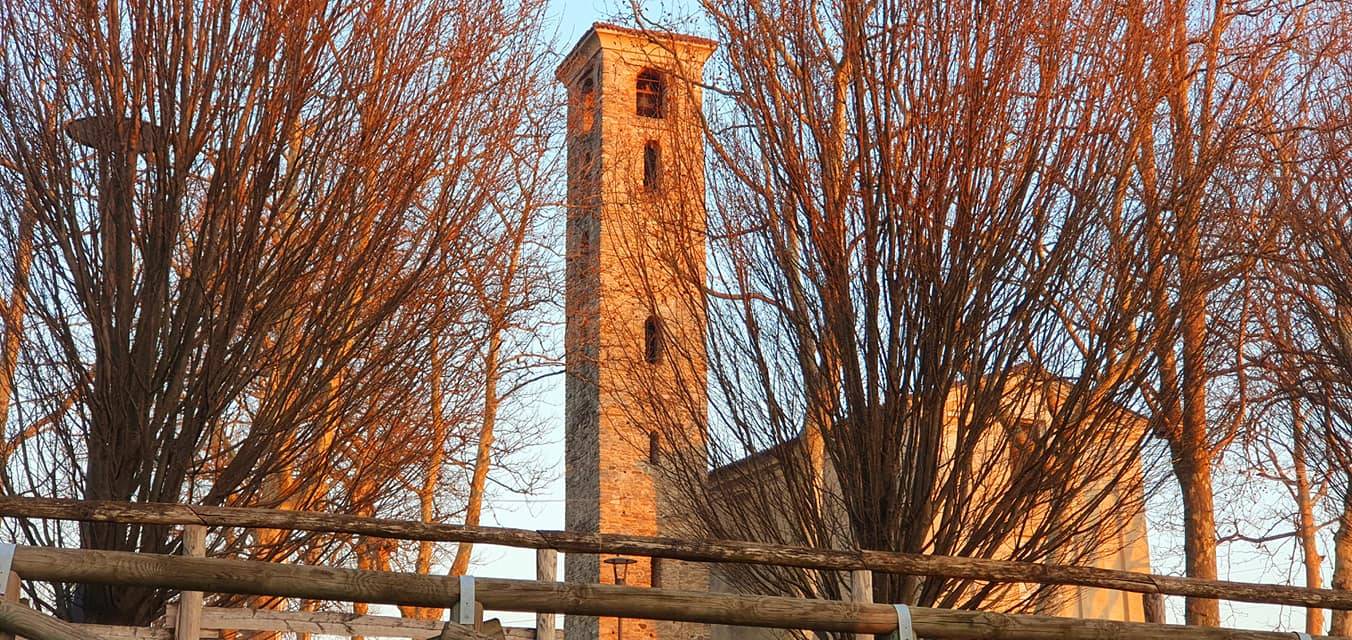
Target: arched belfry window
587,90
650,92
652,166
586,103
653,340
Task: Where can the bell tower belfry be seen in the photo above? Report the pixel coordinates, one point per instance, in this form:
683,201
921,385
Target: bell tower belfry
634,341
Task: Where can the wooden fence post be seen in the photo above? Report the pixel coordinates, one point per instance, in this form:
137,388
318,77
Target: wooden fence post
546,570
1153,605
861,591
13,589
188,624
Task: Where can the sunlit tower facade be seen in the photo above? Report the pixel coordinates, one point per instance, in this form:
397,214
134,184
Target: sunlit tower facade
635,322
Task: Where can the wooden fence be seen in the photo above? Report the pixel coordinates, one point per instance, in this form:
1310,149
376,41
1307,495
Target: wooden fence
543,596
330,583
699,551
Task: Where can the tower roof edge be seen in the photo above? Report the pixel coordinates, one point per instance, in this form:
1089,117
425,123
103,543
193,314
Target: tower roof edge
596,38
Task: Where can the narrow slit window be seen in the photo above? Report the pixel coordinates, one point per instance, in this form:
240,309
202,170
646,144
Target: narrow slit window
652,340
652,166
650,94
654,448
656,580
583,235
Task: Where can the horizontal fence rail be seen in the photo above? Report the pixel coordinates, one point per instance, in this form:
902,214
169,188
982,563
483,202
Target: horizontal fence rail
332,623
22,621
300,581
700,551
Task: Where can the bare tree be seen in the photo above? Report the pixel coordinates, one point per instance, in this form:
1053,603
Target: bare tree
1290,169
922,325
1282,448
13,309
1210,77
1314,268
248,221
1307,358
510,291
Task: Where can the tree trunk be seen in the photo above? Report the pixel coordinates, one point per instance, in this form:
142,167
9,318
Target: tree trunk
14,310
427,495
1199,535
363,553
1341,624
483,459
1306,527
1192,453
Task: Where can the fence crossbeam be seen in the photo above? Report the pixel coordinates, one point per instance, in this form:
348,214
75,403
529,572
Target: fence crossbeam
22,621
328,583
699,551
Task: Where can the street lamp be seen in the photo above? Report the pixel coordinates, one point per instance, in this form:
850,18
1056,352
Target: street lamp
619,568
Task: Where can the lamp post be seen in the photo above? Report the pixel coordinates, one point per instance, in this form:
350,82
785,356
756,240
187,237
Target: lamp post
619,568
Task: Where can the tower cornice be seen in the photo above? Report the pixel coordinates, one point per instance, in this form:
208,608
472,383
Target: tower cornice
607,36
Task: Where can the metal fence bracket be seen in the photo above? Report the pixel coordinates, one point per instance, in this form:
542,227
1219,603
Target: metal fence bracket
904,629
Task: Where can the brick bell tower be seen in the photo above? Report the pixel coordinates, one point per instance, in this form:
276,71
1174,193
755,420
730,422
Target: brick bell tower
635,322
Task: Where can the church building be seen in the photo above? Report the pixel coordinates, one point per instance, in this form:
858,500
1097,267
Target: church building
635,244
